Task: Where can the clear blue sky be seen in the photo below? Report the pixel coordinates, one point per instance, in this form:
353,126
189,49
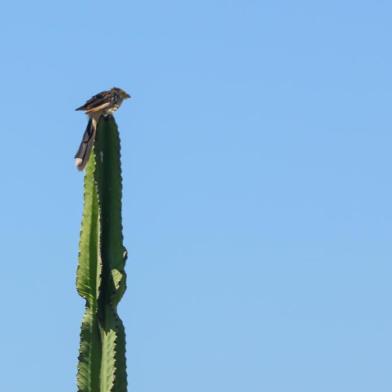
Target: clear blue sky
257,191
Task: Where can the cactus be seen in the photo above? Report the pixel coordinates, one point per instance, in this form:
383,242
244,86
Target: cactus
101,279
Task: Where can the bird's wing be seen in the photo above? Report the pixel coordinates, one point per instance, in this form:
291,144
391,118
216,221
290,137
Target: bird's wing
98,108
96,101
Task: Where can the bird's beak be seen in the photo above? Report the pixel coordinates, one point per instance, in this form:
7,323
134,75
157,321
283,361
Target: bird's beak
127,95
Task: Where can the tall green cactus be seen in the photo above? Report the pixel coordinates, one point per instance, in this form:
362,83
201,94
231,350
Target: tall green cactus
101,279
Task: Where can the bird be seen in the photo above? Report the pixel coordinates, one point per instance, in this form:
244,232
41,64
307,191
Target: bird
102,104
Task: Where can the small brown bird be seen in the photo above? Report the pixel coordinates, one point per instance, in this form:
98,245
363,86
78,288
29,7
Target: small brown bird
102,104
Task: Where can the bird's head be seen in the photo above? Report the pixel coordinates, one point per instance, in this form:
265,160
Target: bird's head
122,94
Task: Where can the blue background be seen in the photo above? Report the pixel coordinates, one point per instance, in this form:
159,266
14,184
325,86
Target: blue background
257,191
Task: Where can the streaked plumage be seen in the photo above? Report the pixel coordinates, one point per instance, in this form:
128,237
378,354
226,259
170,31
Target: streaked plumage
102,104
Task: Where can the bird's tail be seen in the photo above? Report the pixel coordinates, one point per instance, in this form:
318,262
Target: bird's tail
84,150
